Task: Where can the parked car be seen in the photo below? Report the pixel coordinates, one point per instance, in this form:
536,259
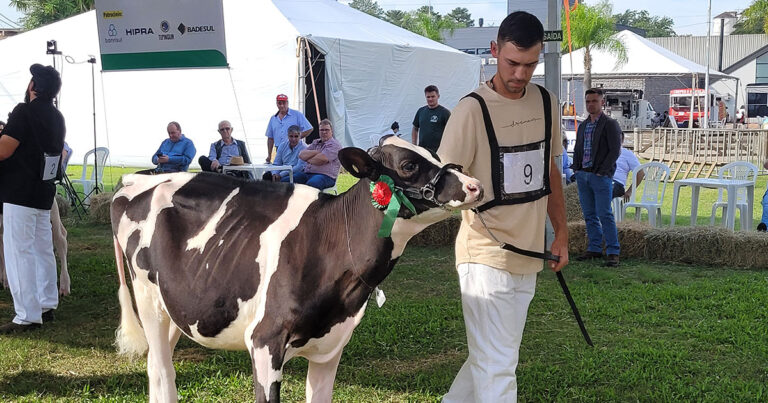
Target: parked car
569,124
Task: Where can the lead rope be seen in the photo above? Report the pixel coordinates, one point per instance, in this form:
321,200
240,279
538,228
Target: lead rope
349,245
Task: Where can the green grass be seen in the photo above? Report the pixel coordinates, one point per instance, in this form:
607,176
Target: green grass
661,333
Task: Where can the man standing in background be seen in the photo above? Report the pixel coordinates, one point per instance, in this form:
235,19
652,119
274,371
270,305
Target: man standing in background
430,120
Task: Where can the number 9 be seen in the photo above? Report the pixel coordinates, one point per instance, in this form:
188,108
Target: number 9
528,172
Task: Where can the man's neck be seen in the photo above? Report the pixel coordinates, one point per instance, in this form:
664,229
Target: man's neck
282,114
498,86
594,118
228,141
433,107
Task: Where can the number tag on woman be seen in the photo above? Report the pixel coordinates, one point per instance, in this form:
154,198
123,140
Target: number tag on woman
523,171
50,167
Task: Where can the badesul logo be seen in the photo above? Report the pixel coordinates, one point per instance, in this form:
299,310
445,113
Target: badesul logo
197,29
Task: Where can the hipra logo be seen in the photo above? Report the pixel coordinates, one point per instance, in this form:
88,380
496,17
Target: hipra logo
164,26
139,31
112,31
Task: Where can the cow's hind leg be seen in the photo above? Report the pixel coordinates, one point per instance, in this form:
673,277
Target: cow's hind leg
157,329
60,243
320,378
267,354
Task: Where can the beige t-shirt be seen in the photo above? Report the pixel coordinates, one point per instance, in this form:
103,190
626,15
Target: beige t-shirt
465,142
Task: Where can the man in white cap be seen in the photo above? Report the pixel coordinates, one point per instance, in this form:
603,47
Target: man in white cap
277,129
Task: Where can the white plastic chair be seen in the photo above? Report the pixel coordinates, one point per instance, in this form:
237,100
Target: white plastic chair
100,154
656,175
739,170
618,208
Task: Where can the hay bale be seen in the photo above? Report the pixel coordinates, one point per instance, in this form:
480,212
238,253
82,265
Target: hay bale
63,205
442,233
632,238
577,237
99,208
711,246
572,204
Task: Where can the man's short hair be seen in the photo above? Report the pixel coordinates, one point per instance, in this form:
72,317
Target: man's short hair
178,126
523,29
294,129
326,122
431,88
598,91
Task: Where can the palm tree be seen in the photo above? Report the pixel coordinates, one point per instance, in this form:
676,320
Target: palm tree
592,27
754,20
430,25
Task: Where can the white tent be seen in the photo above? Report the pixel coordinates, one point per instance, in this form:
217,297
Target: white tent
643,58
375,73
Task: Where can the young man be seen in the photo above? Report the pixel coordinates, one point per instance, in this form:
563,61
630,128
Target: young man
429,122
175,153
277,129
598,145
31,147
513,154
223,150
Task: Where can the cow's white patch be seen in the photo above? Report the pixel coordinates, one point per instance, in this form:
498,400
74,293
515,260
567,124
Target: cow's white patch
398,142
325,348
221,242
405,229
265,374
209,230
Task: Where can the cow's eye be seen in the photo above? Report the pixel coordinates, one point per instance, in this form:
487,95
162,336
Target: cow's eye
408,166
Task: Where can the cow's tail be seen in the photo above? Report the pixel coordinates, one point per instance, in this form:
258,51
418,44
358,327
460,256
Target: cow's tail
130,338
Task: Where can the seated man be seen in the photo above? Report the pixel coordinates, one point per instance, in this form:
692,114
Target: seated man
223,150
626,163
288,154
175,153
322,159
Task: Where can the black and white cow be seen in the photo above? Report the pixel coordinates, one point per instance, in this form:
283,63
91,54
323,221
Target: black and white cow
274,269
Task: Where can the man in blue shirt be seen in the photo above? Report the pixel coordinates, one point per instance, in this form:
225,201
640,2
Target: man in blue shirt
223,150
175,152
277,129
288,154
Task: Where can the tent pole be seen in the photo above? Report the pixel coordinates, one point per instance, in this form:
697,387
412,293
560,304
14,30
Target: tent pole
92,61
312,76
302,86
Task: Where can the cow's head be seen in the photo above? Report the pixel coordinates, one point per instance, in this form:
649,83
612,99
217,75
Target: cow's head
428,183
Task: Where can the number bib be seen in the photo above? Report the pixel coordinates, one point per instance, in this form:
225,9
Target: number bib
523,171
50,166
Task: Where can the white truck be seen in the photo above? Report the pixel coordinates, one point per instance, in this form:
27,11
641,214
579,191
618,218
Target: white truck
628,108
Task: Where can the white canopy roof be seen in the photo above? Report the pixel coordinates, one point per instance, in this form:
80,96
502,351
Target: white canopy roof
375,74
643,58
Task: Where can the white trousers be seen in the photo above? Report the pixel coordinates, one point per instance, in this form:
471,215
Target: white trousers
495,304
29,262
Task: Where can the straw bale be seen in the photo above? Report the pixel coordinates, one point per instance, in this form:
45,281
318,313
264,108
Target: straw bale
577,237
99,208
712,246
632,238
63,205
572,204
442,233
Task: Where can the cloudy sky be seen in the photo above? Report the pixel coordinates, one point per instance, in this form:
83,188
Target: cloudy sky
690,16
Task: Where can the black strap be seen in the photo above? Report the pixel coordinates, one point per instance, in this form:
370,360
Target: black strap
547,255
218,146
496,163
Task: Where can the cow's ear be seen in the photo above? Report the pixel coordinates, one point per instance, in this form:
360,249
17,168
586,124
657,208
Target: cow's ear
358,163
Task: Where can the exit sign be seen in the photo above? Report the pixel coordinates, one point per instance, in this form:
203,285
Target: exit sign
553,36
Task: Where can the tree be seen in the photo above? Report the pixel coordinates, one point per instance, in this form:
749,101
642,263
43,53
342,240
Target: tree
369,7
654,26
41,12
592,27
461,16
430,25
395,17
754,20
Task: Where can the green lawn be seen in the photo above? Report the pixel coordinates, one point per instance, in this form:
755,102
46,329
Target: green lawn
661,333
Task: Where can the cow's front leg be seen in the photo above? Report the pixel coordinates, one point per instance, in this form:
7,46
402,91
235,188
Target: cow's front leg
267,352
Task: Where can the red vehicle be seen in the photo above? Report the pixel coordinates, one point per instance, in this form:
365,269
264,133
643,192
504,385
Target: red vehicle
680,105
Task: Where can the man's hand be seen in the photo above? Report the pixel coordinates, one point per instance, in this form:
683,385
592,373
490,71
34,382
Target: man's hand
215,165
559,248
268,161
163,159
276,178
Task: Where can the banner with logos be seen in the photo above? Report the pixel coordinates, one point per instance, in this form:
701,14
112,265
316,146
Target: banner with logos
161,34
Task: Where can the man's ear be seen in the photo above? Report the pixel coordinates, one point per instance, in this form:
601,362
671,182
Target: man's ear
358,163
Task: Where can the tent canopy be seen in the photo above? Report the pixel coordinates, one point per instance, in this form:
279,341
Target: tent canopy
643,58
375,74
